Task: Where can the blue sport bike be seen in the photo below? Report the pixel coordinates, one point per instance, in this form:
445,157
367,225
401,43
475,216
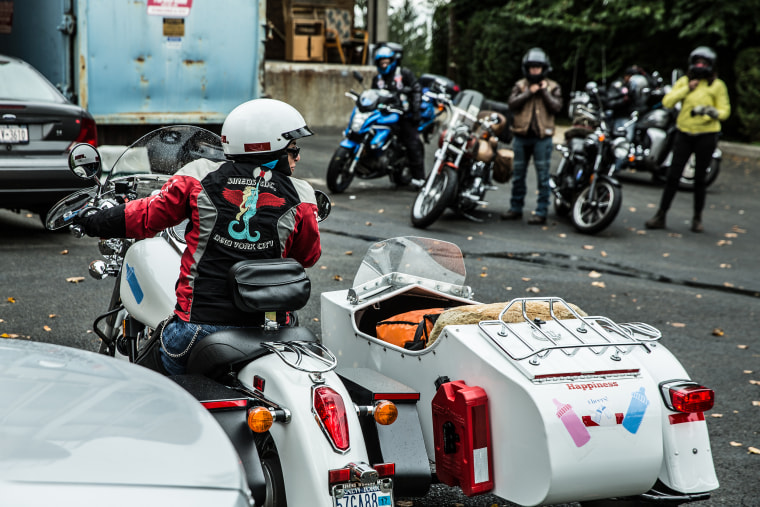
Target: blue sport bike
370,147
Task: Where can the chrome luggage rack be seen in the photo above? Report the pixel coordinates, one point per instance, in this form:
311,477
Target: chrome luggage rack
593,333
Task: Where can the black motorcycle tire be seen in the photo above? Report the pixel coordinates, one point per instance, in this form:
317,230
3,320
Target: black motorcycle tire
270,464
590,220
429,206
687,183
338,177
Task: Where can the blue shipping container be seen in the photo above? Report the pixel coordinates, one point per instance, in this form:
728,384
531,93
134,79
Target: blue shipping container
145,61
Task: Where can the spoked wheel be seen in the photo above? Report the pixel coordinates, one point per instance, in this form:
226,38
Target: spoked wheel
270,464
338,176
429,205
592,213
687,177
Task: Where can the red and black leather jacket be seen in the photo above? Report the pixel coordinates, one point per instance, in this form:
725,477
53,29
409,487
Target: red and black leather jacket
237,211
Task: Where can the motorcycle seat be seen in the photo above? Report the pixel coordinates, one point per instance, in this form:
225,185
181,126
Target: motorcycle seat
227,351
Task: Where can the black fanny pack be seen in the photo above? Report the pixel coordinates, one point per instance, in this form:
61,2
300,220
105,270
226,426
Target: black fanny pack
268,285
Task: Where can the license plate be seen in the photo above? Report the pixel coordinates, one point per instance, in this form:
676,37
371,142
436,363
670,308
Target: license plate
365,496
14,134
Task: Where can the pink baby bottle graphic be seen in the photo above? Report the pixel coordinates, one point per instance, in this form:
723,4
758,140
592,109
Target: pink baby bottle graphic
572,423
636,410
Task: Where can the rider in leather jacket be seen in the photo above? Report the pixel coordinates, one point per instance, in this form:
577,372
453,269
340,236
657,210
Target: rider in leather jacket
391,76
246,207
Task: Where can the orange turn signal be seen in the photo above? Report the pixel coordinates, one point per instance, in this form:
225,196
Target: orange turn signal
385,412
260,419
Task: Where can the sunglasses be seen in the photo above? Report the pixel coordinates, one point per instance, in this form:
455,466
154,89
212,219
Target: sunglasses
293,150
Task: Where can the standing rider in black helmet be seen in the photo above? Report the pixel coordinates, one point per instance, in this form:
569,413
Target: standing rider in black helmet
534,101
392,76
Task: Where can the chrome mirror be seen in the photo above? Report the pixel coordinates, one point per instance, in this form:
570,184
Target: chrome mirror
84,161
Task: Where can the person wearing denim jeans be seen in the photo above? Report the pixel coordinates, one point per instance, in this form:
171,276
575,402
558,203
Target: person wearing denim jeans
534,101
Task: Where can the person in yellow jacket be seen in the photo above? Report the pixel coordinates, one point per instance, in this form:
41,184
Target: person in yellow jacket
704,104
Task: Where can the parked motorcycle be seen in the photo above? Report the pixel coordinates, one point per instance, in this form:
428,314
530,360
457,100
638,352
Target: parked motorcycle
584,185
303,436
651,147
467,160
531,400
370,147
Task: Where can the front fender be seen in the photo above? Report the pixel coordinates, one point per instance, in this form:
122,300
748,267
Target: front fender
610,179
348,143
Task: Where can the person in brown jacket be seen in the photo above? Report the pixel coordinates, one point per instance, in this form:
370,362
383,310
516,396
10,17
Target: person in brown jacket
534,101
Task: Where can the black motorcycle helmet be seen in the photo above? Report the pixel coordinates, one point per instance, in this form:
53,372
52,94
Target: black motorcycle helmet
702,63
536,57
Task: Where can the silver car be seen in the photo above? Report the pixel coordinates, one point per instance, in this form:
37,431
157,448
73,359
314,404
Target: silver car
78,428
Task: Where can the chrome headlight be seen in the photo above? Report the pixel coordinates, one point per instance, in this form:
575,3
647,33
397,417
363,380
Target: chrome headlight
621,148
358,120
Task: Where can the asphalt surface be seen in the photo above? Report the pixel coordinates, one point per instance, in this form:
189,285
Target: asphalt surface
701,290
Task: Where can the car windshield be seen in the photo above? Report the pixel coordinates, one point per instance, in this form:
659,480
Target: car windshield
411,260
20,82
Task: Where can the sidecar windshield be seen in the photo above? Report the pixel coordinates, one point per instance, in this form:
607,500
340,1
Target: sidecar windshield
412,260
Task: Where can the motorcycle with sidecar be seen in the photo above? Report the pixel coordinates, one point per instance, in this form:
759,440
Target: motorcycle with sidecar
532,400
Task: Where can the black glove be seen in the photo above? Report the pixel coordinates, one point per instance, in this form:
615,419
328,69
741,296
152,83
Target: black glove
698,111
107,223
711,112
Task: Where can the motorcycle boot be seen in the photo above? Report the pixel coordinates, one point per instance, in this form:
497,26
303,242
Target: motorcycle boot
696,224
657,221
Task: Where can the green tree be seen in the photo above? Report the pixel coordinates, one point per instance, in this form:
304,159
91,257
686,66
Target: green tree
406,27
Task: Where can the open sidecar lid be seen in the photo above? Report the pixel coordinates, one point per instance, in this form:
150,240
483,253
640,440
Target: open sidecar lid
411,260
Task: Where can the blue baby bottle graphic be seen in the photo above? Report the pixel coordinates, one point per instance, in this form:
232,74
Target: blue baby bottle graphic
573,423
636,410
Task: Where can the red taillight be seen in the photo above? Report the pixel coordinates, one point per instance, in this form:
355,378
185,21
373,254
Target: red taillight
691,398
339,476
88,132
385,469
330,412
223,404
686,396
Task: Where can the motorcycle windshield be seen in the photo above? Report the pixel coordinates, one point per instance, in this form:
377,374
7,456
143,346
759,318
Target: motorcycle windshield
143,167
164,151
412,260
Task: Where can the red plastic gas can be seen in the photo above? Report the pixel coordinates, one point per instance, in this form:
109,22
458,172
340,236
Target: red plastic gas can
462,437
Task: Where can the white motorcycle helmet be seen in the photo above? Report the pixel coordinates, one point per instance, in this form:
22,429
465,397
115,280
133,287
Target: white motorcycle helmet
262,126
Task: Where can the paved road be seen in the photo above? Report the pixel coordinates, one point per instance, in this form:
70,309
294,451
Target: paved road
700,290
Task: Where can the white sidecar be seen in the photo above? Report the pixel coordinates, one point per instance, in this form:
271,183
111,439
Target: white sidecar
558,408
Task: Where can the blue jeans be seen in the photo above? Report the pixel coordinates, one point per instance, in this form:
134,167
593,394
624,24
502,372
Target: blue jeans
541,150
177,340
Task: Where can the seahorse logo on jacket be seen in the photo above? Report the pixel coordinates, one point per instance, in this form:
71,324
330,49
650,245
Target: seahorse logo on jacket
249,199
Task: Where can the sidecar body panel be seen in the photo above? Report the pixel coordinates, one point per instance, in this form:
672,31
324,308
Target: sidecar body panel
571,425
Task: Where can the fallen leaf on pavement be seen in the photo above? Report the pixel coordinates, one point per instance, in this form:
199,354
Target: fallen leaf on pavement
563,235
51,316
348,252
338,278
534,290
731,235
601,285
368,224
64,252
742,347
47,328
717,332
381,210
727,284
725,266
603,253
666,254
754,382
483,275
756,403
588,247
75,279
738,229
724,242
594,274
525,279
716,415
753,450
735,444
678,324
632,209
748,372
